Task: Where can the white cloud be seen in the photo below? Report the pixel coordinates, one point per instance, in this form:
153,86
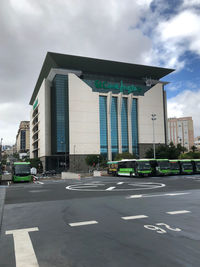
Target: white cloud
186,104
11,114
190,3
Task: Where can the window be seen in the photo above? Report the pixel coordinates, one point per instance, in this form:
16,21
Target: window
114,127
103,125
124,125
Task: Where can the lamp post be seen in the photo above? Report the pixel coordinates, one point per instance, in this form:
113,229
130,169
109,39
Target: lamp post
98,162
64,150
153,117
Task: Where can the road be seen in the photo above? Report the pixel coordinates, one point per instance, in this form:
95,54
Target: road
106,221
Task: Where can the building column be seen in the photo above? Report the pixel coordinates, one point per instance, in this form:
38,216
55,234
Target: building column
109,99
119,108
130,101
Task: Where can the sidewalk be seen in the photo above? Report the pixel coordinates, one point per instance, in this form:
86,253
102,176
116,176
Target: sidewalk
2,198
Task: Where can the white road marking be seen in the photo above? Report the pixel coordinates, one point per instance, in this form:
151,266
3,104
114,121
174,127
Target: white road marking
100,187
40,182
120,183
176,194
134,217
178,212
24,252
134,196
159,195
83,223
110,188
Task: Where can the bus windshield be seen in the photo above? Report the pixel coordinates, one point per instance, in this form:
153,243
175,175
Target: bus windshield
144,165
174,165
198,164
22,169
187,165
164,165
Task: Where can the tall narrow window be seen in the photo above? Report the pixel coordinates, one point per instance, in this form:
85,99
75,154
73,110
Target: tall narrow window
60,114
134,123
114,127
103,125
124,125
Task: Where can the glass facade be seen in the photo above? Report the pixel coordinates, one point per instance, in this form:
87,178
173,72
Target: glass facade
114,127
103,125
134,127
60,117
23,140
124,125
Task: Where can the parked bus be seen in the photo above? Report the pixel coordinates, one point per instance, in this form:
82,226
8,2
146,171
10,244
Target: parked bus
174,166
21,172
143,167
196,165
160,166
127,167
112,167
186,166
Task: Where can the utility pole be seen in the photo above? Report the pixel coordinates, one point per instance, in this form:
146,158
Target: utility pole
153,117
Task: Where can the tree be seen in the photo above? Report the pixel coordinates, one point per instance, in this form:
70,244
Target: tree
125,155
36,163
194,148
93,160
166,151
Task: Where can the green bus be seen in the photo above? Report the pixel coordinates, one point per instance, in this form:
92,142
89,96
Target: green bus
143,167
174,166
127,167
112,167
186,166
160,166
196,165
21,172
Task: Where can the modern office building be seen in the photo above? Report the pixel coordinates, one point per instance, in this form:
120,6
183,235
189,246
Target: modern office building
23,137
83,106
181,131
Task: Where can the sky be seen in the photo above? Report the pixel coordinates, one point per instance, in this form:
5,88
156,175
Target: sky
163,33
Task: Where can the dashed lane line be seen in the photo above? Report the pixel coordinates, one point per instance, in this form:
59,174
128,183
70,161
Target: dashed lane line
110,188
134,217
158,195
82,223
178,212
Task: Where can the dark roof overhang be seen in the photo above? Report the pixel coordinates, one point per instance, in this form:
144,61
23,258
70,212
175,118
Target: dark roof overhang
97,66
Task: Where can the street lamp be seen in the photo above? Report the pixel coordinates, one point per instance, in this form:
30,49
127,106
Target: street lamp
98,162
153,117
64,150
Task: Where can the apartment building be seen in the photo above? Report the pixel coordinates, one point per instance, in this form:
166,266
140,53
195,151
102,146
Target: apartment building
23,137
181,131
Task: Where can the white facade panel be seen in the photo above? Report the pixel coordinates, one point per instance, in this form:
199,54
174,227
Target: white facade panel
151,103
84,133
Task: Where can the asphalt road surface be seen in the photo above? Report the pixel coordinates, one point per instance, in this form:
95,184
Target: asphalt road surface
106,221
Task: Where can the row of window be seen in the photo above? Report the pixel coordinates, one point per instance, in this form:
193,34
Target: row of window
114,126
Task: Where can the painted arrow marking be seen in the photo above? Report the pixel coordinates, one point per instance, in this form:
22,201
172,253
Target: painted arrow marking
24,252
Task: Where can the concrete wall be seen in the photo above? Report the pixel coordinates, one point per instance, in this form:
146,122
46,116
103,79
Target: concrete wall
151,103
44,118
84,132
